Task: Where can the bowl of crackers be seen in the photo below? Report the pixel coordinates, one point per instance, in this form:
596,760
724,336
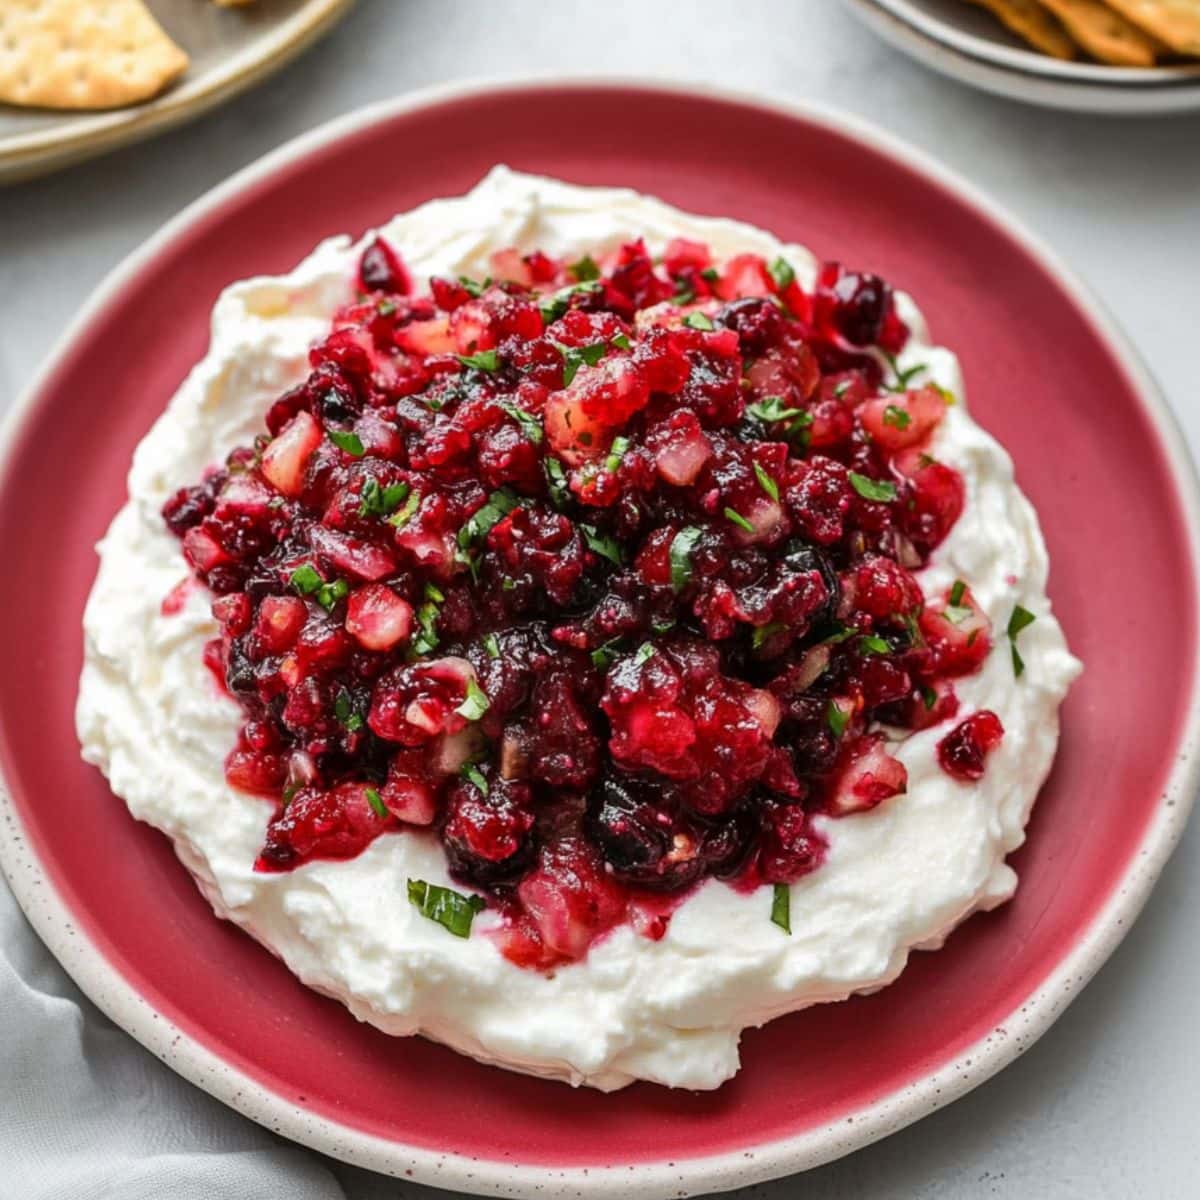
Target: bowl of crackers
1106,56
78,77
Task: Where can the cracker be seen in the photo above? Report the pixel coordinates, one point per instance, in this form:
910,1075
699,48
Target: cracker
1175,22
83,53
1103,33
1028,20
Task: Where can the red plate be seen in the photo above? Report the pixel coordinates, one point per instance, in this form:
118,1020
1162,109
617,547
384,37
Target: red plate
1094,449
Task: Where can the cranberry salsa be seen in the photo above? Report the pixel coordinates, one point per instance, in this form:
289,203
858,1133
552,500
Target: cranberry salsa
600,572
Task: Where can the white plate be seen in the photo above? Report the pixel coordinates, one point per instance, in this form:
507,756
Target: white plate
229,50
970,45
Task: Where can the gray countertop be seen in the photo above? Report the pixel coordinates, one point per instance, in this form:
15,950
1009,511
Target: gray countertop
1105,1104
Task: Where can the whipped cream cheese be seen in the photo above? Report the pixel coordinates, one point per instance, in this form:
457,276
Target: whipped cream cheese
897,878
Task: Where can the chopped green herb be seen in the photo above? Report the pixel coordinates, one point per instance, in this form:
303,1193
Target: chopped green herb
773,409
305,579
948,397
783,273
660,626
765,482
710,274
375,800
476,703
499,504
473,287
897,418
736,517
385,308
764,633
602,543
556,479
873,489
585,269
616,452
841,388
531,427
699,320
472,774
450,909
645,653
871,644
913,628
560,301
328,594
903,378
781,907
684,294
956,614
1021,618
491,644
404,515
427,618
957,592
604,656
680,555
375,500
928,697
485,360
347,440
836,718
575,357
622,342
343,709
841,634
508,584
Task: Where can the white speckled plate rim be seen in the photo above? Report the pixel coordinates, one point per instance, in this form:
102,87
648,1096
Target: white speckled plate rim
54,921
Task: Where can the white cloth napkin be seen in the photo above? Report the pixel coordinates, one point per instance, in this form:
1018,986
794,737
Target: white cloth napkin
87,1114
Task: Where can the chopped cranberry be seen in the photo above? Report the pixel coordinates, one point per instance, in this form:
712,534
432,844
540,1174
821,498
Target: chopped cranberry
380,269
606,583
963,751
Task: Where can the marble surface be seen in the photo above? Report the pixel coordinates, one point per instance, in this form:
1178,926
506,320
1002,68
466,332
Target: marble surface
1104,1105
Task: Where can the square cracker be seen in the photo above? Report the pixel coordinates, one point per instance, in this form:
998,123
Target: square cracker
1028,20
1103,33
1176,22
83,53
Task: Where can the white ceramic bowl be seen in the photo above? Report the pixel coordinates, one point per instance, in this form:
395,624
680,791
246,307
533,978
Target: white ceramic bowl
969,45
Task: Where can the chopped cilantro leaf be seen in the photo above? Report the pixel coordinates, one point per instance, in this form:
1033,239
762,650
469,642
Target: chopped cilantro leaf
602,543
485,360
531,427
375,800
575,357
1021,618
476,703
836,718
472,774
781,907
585,269
765,481
305,579
347,440
499,504
680,555
736,517
616,452
450,909
783,273
896,417
873,489
699,320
